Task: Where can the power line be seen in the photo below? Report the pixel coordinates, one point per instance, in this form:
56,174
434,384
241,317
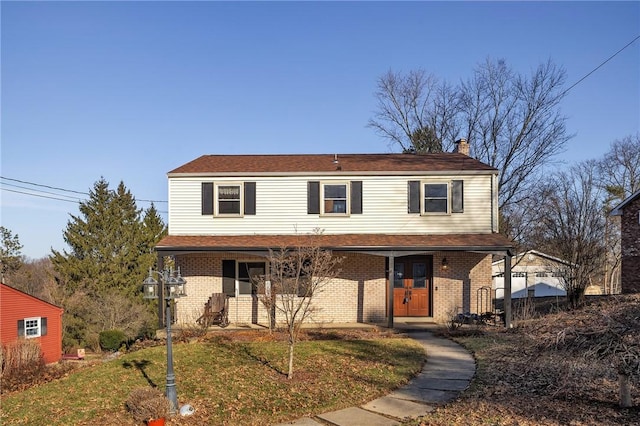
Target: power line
44,186
64,190
76,201
42,196
39,190
599,66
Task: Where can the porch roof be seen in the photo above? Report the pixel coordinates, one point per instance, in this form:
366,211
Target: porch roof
342,242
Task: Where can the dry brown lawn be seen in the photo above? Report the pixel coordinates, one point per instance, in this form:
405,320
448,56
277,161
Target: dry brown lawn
558,369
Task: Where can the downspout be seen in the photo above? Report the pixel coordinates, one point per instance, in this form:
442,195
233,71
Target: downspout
494,204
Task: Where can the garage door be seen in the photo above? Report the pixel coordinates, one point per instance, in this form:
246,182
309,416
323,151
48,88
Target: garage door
546,284
518,285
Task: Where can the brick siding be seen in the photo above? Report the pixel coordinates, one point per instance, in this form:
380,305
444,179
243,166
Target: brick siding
357,294
630,271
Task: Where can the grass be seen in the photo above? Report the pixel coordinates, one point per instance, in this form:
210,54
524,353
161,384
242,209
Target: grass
227,381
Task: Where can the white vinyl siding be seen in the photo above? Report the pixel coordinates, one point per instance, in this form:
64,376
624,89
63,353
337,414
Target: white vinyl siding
281,207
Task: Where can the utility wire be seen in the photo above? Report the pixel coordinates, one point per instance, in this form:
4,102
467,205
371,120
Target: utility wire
64,190
42,196
77,200
599,66
44,186
40,190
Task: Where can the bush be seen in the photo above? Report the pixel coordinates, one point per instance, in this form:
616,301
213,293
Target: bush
147,403
21,355
22,363
111,340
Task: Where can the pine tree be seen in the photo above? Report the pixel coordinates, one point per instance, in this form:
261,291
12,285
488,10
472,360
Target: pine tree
110,243
111,248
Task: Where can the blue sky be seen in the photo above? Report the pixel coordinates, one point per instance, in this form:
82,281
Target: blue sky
131,90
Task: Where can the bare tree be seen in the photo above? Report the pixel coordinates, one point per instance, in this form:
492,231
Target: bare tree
511,121
618,178
296,276
571,226
415,111
619,170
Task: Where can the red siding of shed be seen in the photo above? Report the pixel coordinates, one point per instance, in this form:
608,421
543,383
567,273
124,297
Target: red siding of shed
16,305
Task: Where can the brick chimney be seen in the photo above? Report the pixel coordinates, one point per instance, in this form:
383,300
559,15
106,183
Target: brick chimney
462,146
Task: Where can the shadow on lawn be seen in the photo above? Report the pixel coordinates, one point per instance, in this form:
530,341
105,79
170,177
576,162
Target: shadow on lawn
140,365
263,361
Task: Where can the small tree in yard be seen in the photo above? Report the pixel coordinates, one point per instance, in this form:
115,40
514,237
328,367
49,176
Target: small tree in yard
295,278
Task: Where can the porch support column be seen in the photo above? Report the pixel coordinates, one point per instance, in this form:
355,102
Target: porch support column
507,290
390,291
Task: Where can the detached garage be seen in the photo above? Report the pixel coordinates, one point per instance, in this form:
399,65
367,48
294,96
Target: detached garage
533,274
23,316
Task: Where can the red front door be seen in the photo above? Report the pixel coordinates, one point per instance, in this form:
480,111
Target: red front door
411,286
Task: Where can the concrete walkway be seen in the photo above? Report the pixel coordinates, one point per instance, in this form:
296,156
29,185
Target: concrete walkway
448,371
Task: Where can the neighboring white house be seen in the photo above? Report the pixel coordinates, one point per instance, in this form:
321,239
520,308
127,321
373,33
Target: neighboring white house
533,274
417,231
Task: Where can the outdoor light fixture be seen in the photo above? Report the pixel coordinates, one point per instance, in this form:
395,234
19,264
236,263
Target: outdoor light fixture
173,287
445,264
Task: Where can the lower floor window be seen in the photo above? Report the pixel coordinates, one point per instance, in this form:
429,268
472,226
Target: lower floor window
32,327
250,277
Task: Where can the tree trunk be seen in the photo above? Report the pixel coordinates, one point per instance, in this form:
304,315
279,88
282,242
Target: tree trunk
290,374
624,390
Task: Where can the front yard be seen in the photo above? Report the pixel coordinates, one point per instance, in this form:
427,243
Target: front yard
238,378
229,378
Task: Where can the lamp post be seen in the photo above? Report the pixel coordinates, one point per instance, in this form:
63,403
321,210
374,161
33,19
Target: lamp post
173,287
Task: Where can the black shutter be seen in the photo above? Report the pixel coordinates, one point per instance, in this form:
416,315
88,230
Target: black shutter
207,198
249,198
43,326
356,197
229,277
21,328
414,196
457,197
313,197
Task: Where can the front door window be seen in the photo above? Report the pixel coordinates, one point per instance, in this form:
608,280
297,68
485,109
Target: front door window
411,286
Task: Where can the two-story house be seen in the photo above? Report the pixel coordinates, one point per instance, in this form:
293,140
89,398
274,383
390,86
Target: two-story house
416,232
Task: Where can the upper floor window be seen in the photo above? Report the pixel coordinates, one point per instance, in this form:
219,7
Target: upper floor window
436,198
335,199
228,199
